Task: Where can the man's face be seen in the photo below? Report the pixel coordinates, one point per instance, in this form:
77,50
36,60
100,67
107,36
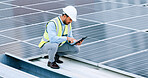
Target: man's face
67,20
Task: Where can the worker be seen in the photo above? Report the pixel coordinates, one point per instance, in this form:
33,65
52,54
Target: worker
57,37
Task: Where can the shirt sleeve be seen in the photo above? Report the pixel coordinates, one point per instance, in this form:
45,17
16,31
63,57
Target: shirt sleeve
51,29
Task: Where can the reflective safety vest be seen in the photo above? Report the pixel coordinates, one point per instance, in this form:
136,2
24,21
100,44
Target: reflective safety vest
58,25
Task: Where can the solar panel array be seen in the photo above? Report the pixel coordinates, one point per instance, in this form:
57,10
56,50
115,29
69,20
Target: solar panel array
115,28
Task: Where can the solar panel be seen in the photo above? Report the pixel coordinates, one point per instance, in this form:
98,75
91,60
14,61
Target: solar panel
136,40
21,49
5,40
135,64
112,27
102,31
26,32
106,16
3,6
96,7
135,23
15,11
134,2
133,10
27,2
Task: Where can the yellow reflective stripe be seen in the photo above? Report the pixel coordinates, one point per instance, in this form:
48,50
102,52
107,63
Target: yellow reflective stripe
66,30
62,43
41,43
60,28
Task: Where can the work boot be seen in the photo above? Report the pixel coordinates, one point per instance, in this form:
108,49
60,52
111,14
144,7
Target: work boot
45,57
53,65
57,59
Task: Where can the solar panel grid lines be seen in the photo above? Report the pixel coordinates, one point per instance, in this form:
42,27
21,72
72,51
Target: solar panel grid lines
18,16
5,6
43,3
138,23
83,55
111,20
21,49
90,20
30,44
104,55
22,26
107,39
122,26
32,39
9,8
122,57
136,63
53,10
127,18
9,37
104,16
9,43
106,10
121,71
141,2
88,4
119,2
25,33
137,40
129,61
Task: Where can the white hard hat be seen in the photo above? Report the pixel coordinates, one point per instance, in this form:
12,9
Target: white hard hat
71,12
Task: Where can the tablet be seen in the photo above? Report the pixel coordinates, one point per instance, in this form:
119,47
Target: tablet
80,40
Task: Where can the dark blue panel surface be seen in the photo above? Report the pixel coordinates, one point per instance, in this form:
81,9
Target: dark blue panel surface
21,49
135,23
35,41
102,31
82,23
105,16
139,41
94,7
136,64
26,32
48,6
81,2
103,51
11,23
4,40
81,10
133,11
3,6
134,2
15,12
27,2
36,18
105,6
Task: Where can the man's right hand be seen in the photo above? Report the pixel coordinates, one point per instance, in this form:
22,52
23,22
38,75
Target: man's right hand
71,39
